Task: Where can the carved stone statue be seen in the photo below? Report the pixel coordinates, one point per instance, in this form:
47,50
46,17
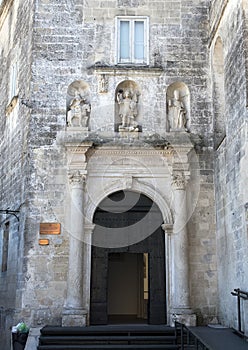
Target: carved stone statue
102,84
128,109
177,113
79,112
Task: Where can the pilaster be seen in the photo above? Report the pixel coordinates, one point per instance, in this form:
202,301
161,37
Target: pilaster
76,308
179,247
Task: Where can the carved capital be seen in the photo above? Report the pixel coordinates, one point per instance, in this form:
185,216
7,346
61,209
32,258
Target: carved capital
89,228
76,178
167,228
179,181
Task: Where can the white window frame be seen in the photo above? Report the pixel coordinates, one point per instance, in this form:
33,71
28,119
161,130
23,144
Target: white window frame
131,20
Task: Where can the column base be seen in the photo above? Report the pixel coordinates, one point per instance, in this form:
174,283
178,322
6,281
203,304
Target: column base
74,318
184,316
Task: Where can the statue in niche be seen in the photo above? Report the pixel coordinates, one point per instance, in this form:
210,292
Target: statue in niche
79,111
128,109
177,113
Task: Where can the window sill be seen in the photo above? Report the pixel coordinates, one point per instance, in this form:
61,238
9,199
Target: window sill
123,69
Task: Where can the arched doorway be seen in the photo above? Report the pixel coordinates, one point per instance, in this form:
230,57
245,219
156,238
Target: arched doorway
128,281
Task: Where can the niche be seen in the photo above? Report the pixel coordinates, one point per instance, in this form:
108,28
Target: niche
178,107
127,107
78,105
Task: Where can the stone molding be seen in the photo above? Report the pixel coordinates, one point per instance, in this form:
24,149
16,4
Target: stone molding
81,147
132,152
167,228
128,70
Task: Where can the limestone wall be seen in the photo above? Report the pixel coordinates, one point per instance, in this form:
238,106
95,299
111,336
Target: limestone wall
70,40
15,42
76,41
230,170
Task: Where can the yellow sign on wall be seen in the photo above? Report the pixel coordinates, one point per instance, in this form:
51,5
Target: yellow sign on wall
43,241
49,228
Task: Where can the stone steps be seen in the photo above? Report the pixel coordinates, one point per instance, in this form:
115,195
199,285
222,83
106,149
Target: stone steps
109,346
95,338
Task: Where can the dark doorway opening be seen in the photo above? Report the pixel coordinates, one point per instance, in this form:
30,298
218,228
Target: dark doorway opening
128,282
127,287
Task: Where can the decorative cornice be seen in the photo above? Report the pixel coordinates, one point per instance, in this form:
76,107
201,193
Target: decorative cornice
78,147
132,152
76,155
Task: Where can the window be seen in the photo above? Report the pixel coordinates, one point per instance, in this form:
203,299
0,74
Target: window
132,40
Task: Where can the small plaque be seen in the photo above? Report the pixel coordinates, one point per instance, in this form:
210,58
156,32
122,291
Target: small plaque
49,228
43,241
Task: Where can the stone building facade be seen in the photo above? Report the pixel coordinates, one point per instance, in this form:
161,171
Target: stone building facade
121,107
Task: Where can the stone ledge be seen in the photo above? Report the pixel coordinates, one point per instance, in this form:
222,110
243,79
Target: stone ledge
125,69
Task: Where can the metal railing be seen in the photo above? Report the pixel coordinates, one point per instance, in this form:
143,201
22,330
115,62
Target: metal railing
240,294
188,340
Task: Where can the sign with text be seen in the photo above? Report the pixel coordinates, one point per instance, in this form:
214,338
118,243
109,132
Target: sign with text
49,228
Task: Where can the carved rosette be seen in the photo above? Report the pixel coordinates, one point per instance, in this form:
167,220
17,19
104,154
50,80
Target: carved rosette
76,178
178,181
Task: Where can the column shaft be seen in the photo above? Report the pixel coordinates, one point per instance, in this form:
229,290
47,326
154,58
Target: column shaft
74,311
180,271
180,310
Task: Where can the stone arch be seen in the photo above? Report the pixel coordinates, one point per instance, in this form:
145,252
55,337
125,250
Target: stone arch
178,107
145,189
78,104
219,122
121,220
128,106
